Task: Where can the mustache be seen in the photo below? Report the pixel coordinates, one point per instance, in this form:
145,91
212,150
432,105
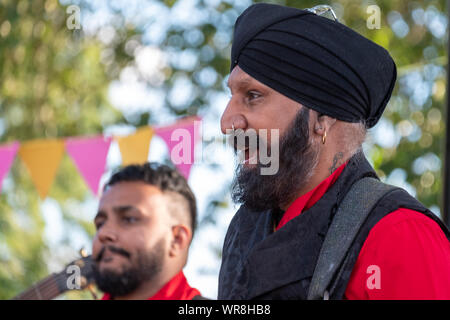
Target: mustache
113,249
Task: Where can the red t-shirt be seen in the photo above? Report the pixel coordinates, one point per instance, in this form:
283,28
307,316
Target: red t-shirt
405,256
176,289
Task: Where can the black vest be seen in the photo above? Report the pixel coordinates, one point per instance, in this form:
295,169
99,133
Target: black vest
258,263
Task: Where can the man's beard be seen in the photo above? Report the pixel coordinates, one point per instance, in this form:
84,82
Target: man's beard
120,283
298,159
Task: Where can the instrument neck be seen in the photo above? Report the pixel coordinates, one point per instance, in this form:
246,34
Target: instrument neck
45,289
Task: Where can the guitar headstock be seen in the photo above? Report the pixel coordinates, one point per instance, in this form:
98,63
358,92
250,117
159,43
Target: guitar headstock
77,275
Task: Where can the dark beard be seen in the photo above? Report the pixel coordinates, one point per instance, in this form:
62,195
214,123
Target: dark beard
297,160
148,265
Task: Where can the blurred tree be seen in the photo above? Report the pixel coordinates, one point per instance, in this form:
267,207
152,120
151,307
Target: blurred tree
54,83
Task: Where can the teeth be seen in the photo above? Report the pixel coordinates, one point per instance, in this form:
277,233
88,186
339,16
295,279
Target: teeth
243,148
242,154
251,160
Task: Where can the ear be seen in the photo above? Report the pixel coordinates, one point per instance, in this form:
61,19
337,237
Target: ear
322,124
181,239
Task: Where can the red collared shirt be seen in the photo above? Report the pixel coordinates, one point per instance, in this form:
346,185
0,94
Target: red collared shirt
307,200
405,256
176,289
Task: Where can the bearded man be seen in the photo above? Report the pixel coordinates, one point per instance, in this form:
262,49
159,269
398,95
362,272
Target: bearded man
145,223
323,226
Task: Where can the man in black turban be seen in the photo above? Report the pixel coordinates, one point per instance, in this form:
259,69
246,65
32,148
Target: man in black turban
322,225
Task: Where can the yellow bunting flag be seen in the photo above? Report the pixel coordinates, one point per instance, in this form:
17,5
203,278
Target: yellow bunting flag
42,158
134,148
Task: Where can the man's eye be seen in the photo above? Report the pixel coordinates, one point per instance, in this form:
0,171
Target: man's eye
253,95
98,225
130,219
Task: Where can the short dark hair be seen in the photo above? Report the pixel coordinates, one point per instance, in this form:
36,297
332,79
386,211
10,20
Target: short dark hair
163,177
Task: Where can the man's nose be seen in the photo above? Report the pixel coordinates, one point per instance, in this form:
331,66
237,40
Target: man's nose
107,234
232,118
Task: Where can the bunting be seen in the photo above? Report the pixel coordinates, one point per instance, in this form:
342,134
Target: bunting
135,147
89,155
7,155
181,140
42,157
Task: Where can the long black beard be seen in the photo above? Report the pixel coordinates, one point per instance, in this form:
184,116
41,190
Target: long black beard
298,158
147,266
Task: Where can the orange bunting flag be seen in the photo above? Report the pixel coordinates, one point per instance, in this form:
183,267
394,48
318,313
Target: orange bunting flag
42,159
135,147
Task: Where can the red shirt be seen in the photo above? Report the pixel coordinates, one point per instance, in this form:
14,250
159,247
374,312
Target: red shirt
405,256
307,200
176,289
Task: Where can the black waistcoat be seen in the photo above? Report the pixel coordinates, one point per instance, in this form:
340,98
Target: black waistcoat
258,263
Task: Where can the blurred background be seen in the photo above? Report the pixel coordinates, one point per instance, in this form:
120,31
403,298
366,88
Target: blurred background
135,63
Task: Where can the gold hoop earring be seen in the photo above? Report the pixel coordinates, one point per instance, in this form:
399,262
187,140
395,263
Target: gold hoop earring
324,137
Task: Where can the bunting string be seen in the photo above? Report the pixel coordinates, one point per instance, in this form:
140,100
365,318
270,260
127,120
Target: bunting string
42,157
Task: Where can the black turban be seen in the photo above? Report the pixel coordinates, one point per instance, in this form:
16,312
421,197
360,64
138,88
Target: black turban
315,61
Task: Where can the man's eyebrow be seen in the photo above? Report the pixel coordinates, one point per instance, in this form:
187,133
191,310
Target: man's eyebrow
124,209
100,214
117,210
241,82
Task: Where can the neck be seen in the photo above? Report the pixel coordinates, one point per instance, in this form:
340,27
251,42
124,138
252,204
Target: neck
327,164
150,288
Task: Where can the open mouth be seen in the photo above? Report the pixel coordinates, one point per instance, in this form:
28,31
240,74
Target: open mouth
248,157
245,147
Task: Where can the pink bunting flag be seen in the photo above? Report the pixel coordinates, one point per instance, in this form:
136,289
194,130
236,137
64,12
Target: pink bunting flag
181,139
7,155
89,155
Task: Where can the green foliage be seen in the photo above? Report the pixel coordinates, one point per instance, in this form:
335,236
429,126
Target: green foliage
52,84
